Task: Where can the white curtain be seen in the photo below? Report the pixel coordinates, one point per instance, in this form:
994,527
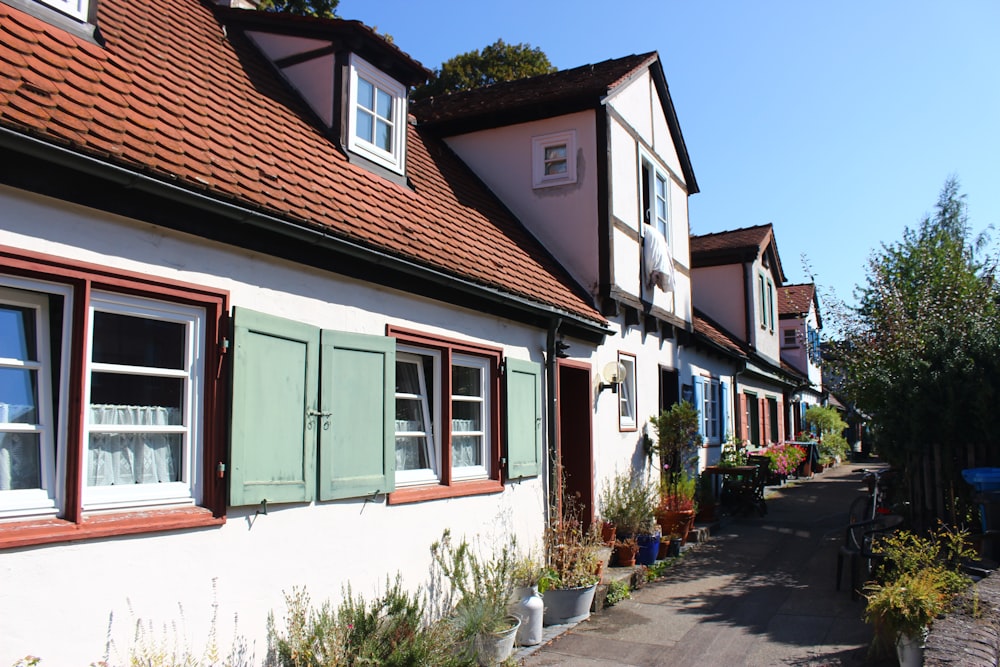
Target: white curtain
133,458
20,467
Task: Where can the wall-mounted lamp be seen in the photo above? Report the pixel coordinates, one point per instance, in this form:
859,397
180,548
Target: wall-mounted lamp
612,375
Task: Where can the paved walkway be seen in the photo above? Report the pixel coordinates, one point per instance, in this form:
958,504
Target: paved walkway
759,592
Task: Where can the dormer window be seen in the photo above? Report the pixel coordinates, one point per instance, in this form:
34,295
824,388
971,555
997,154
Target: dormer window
553,159
78,9
376,116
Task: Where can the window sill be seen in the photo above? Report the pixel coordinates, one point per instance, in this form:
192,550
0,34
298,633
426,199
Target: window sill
419,494
48,531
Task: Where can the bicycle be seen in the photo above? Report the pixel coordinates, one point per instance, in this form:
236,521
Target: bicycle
869,516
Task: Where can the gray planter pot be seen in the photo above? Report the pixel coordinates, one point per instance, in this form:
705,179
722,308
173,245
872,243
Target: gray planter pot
567,605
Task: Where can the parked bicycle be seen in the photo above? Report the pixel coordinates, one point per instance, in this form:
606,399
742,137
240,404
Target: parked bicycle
869,517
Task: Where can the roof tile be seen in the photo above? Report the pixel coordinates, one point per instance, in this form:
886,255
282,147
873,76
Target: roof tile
169,91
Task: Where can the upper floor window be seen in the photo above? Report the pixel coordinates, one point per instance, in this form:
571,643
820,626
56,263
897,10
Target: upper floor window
626,394
376,116
553,159
765,288
790,338
655,188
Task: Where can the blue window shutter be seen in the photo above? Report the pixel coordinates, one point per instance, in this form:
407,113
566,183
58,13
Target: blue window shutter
699,403
275,386
357,444
524,418
723,410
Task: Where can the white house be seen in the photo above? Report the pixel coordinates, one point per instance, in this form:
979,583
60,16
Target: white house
799,318
593,162
735,279
252,317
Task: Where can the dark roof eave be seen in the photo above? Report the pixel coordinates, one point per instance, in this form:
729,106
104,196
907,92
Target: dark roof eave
352,34
574,324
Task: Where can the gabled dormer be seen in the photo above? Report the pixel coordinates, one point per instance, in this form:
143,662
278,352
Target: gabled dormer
799,317
735,279
354,81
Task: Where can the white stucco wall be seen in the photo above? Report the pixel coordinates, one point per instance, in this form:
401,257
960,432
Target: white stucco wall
57,598
562,217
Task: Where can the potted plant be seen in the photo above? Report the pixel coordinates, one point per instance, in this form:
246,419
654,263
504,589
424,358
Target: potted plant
916,581
677,443
569,578
630,503
625,551
676,509
483,586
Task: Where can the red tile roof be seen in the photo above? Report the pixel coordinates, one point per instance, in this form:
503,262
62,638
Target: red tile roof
795,299
584,84
172,96
746,238
740,245
716,335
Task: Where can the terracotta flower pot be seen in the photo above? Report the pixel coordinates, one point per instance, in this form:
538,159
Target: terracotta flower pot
676,522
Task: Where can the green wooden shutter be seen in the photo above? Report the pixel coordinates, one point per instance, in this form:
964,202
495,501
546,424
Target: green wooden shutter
275,386
524,418
357,432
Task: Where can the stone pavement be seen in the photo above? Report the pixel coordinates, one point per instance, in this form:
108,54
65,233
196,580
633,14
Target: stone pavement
760,591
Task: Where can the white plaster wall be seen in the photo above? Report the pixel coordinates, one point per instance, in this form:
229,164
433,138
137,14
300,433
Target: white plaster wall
718,292
620,451
697,363
766,340
563,217
623,169
57,599
627,255
815,371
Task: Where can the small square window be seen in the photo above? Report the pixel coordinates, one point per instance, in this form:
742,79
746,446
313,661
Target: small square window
554,159
790,338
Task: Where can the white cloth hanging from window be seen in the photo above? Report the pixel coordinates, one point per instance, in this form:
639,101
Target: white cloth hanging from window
659,265
133,458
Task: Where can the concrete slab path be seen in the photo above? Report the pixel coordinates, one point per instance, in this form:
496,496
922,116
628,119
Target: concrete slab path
761,591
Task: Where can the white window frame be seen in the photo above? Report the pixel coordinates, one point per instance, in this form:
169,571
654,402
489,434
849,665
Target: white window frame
462,473
626,394
657,175
539,159
789,340
712,410
393,159
47,500
78,9
432,416
187,490
762,287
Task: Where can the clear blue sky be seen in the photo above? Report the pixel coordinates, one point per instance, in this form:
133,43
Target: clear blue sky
838,122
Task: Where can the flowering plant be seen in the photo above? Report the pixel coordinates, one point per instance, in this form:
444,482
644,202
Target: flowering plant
784,458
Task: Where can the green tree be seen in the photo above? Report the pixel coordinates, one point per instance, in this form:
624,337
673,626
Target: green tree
921,353
495,63
326,9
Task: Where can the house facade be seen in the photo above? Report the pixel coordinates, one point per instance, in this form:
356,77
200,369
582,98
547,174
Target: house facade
593,162
253,319
800,322
735,279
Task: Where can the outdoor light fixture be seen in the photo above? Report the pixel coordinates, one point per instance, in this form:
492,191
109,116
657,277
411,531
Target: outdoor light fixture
612,375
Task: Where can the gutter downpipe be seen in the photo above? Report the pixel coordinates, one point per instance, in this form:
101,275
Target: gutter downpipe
551,410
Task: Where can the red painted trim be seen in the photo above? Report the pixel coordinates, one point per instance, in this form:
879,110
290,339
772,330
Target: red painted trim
447,488
418,494
48,531
83,278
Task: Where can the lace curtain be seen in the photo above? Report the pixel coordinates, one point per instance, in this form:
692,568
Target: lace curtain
133,458
20,467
